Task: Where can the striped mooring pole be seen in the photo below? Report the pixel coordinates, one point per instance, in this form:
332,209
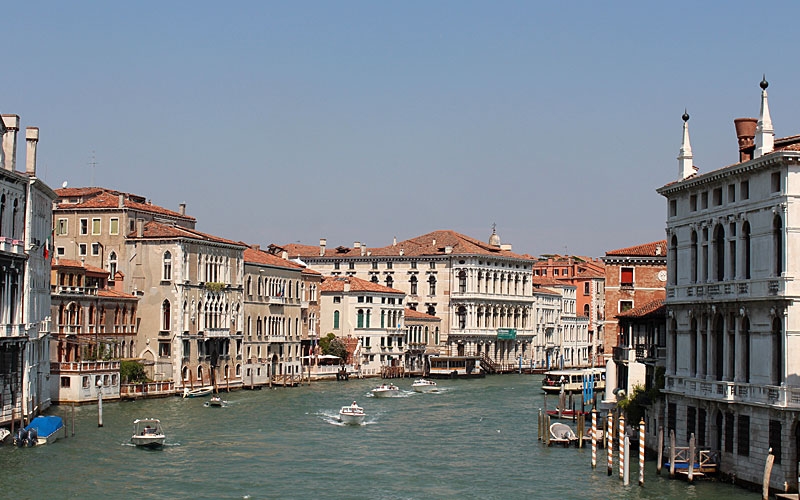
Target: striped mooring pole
641,452
610,441
621,445
594,439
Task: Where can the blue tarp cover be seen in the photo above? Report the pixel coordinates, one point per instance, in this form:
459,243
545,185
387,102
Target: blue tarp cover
45,425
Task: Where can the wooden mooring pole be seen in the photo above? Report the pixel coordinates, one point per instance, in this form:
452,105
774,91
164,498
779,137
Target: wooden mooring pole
626,462
672,454
622,451
660,461
610,442
767,474
641,452
594,439
690,476
581,429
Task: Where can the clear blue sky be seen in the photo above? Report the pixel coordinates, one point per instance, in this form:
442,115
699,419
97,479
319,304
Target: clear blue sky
279,122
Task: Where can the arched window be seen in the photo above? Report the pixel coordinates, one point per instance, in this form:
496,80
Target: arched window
336,319
777,241
389,281
14,219
360,321
413,281
673,261
112,265
166,319
431,310
374,278
693,258
462,317
719,253
747,247
167,276
777,351
462,282
432,285
586,310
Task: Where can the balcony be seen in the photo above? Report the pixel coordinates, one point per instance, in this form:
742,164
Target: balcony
216,333
277,300
74,290
84,366
734,392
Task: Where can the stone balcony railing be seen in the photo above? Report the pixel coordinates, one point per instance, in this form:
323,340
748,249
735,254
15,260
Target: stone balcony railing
734,392
84,366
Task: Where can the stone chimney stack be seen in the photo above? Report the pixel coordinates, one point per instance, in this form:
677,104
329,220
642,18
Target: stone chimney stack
32,139
284,255
356,244
121,202
257,248
363,250
322,243
139,228
10,141
182,208
394,241
745,134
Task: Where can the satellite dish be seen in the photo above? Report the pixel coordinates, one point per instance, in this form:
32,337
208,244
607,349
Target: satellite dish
64,184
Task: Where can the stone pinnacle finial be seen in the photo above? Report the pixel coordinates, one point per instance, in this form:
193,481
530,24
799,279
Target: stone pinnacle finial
685,115
764,83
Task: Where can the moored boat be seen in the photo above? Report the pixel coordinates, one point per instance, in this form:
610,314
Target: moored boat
572,380
386,391
422,385
148,433
567,414
562,433
352,415
41,430
198,392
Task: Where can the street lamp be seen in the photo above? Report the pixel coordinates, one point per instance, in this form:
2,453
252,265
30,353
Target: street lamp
99,401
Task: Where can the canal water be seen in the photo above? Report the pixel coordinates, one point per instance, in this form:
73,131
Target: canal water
475,439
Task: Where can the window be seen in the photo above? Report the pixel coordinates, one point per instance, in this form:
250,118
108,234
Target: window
388,265
164,350
360,323
336,265
375,265
462,282
96,226
336,319
586,286
65,382
673,208
704,200
433,265
112,265
60,251
166,317
625,305
95,248
413,285
743,436
61,227
775,439
413,264
744,190
82,249
432,285
389,281
113,226
84,226
626,277
717,197
167,276
731,193
693,203
776,182
337,300
351,265
374,278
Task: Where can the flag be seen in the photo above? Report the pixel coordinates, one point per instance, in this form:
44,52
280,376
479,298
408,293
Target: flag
47,248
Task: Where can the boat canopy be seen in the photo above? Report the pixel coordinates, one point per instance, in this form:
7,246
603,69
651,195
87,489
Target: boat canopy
46,425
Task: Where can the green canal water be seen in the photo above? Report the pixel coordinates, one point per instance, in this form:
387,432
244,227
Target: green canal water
475,439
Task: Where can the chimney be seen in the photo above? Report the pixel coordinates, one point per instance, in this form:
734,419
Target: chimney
363,250
746,134
139,228
394,241
285,255
347,286
182,208
257,248
322,243
505,246
32,138
10,141
356,244
121,203
448,249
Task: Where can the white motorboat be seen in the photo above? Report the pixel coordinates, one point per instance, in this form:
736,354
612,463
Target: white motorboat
422,385
198,392
148,433
386,391
215,401
352,415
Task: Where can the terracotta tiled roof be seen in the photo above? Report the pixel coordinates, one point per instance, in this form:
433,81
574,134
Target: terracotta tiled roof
107,292
431,244
654,308
412,314
99,198
654,249
336,284
261,257
157,230
308,270
76,264
546,291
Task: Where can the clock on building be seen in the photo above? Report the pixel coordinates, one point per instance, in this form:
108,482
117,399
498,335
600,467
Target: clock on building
662,275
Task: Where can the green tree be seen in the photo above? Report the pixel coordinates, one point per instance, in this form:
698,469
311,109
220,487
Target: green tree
333,346
132,372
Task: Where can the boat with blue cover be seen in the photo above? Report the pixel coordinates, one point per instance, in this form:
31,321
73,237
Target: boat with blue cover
41,430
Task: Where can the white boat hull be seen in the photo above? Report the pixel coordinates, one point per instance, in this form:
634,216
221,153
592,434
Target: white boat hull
155,441
351,419
424,386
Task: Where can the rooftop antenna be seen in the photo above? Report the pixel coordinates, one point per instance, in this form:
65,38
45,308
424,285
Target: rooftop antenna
92,165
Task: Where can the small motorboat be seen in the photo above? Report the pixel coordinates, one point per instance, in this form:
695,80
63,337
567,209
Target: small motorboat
148,433
198,392
562,433
422,385
386,391
352,415
567,414
4,433
41,430
215,401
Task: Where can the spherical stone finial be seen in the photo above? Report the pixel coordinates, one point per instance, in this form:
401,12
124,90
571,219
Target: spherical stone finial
685,116
764,83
